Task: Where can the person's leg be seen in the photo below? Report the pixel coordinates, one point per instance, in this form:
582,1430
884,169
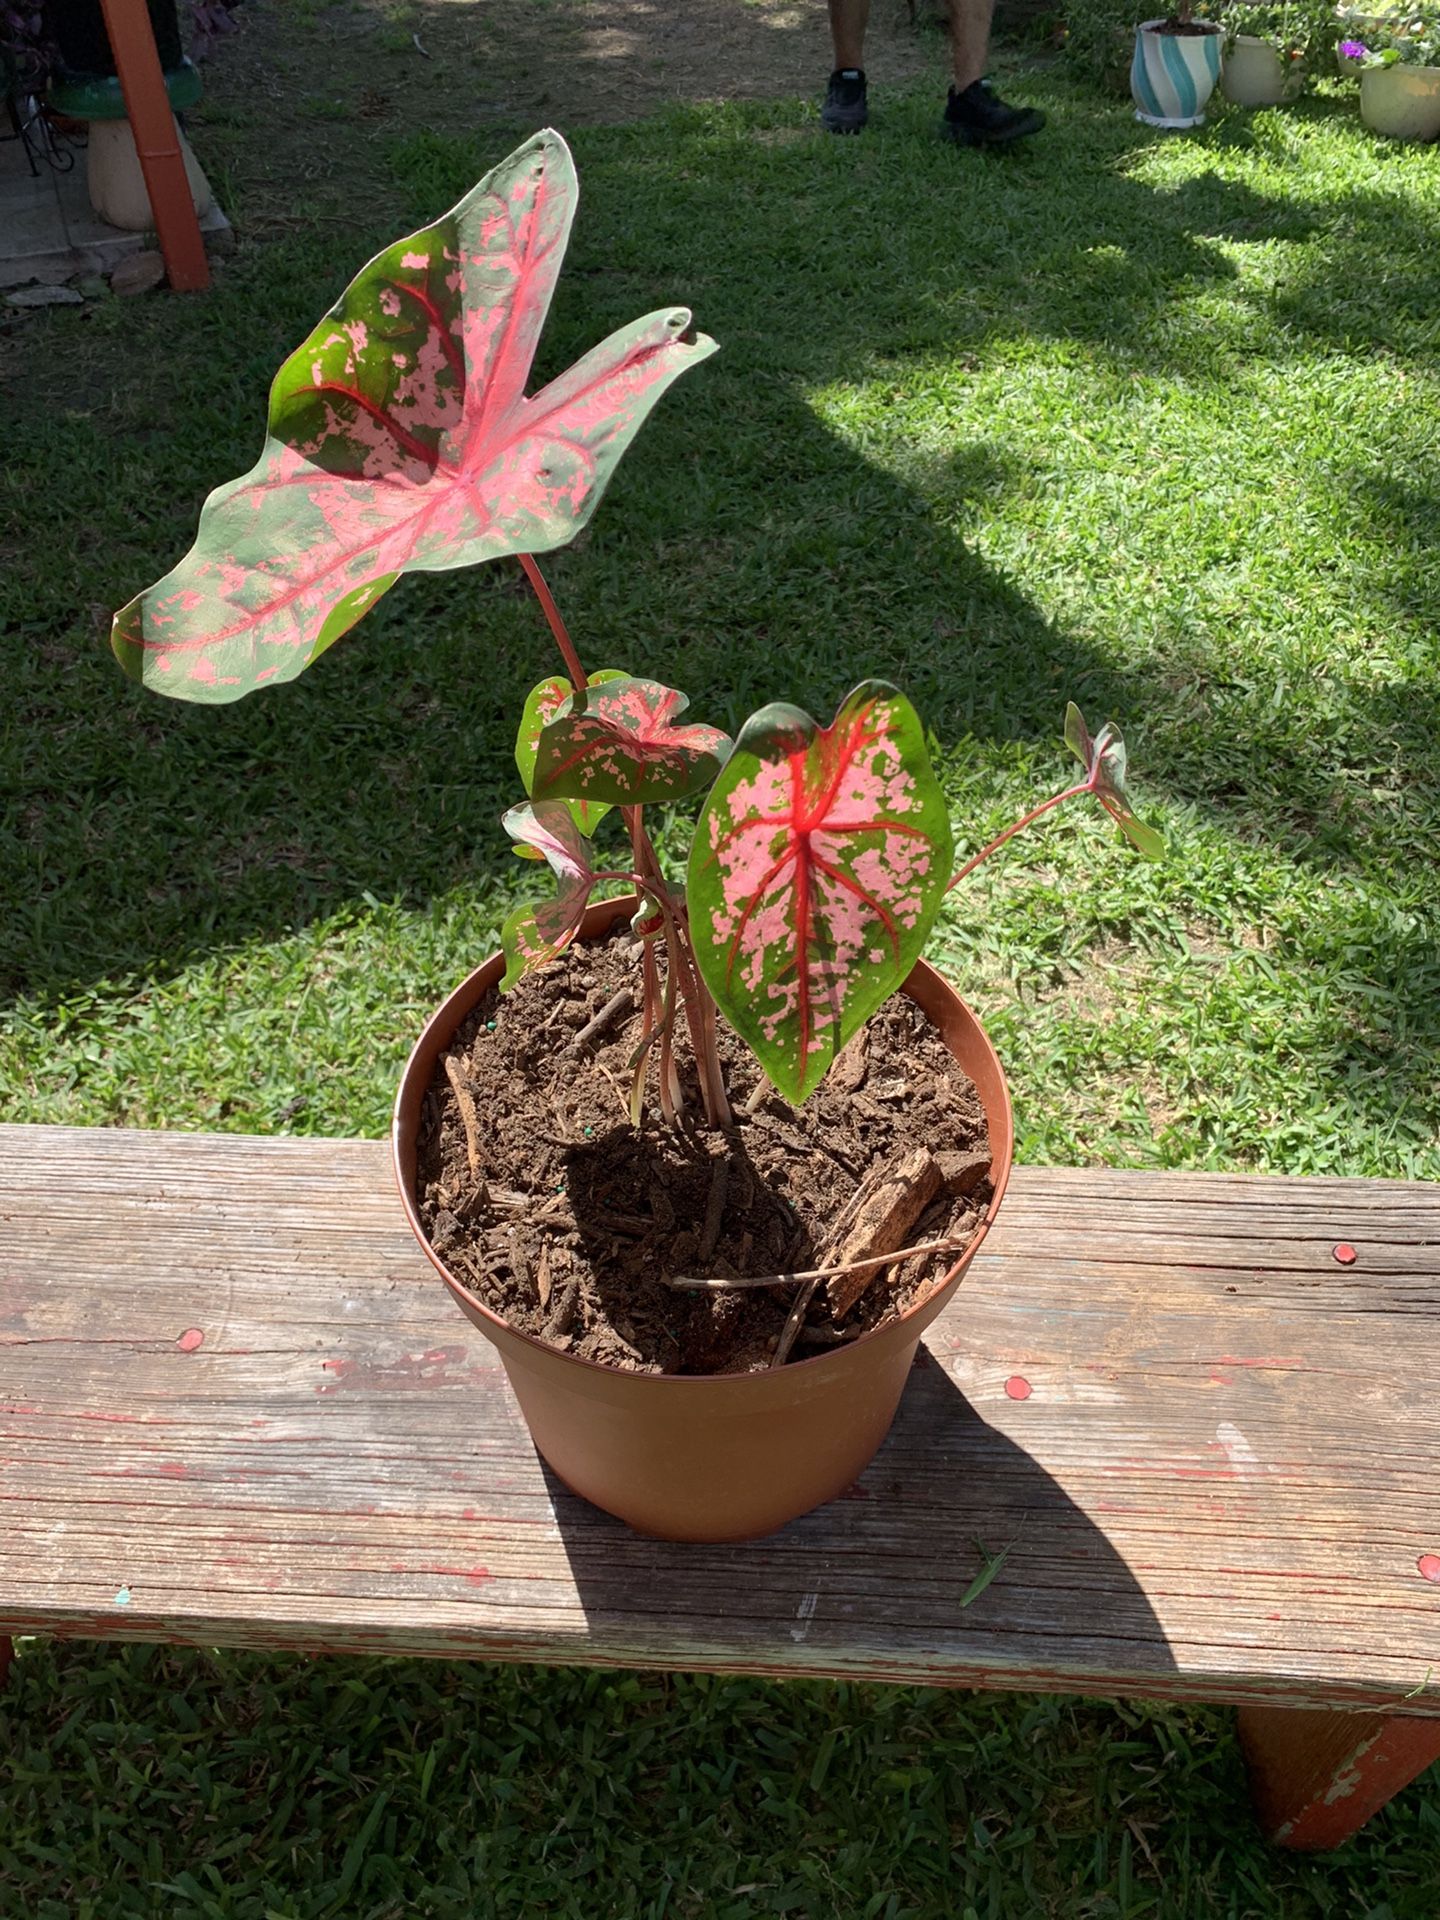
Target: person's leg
969,38
848,21
844,110
974,115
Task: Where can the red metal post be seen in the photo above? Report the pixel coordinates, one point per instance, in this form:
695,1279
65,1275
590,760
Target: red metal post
1316,1778
147,107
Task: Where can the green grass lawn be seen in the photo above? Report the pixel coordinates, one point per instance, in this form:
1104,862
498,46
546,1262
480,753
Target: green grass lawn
155,1783
1146,422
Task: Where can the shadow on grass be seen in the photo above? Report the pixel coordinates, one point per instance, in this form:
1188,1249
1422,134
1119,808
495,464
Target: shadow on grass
748,550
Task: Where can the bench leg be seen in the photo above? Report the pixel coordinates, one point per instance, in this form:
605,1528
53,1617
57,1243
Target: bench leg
1317,1777
7,1654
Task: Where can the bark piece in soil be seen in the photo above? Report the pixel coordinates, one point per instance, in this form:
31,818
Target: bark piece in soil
889,1203
963,1172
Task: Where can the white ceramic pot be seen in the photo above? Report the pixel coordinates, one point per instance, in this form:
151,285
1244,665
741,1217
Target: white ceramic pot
1257,74
1173,74
1403,102
117,184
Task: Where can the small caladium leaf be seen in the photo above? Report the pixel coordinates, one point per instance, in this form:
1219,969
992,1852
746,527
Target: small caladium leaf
533,935
818,868
620,744
1104,761
541,707
400,439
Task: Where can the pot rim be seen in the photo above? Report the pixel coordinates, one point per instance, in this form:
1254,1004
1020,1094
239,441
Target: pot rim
599,917
1208,28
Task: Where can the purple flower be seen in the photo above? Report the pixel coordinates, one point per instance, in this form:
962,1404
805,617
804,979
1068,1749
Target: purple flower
1353,50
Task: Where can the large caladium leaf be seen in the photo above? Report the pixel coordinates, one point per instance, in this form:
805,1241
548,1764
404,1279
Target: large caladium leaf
620,743
818,867
533,935
1104,761
541,707
399,438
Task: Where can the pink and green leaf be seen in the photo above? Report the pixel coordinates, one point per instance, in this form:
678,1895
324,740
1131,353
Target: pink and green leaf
622,744
400,439
534,934
819,865
541,707
1103,759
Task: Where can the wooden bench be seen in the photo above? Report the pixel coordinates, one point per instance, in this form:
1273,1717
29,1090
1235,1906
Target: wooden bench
238,1411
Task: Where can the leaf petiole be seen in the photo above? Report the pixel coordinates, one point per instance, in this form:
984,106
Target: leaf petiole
1034,814
557,624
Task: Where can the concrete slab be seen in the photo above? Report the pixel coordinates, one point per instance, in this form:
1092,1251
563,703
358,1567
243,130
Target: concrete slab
48,229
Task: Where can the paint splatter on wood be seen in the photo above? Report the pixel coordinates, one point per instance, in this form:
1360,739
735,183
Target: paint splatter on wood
804,1613
1238,1450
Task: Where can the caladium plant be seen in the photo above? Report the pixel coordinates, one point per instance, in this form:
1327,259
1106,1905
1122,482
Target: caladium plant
617,742
534,935
821,860
400,438
542,705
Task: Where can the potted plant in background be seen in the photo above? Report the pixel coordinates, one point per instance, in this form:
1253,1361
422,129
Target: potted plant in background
706,1248
1271,51
1175,67
1354,26
1400,79
86,88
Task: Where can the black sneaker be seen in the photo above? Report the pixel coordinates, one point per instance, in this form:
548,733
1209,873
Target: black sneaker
979,118
844,110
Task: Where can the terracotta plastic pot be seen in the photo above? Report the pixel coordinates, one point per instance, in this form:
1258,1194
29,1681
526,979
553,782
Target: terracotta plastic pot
1403,102
1257,74
715,1457
1172,75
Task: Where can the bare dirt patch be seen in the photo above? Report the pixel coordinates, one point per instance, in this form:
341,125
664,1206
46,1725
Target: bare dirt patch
455,66
305,99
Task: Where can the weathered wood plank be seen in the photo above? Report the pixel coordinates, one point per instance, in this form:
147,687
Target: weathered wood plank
236,1409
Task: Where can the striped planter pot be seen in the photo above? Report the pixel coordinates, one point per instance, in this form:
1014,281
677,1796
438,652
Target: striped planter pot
1173,75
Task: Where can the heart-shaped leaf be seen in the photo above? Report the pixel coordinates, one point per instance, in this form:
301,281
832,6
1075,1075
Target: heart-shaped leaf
541,707
1103,758
533,935
818,867
620,744
400,439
